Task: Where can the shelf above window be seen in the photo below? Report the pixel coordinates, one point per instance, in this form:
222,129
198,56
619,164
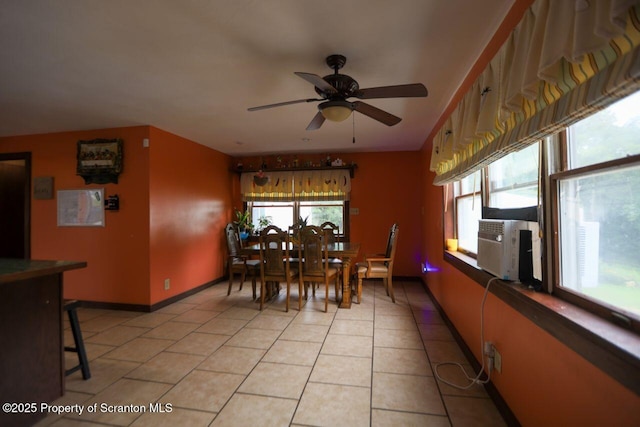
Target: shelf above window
350,168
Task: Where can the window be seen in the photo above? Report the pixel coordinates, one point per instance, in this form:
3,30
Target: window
607,135
513,179
468,210
598,209
280,214
320,212
511,182
284,214
594,208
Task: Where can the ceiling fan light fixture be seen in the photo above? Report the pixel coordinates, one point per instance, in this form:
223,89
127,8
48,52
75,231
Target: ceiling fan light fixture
336,111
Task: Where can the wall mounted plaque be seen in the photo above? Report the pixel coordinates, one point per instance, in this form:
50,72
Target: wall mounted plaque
43,187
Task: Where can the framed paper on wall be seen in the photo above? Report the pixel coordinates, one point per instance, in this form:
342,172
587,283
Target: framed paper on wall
81,208
99,160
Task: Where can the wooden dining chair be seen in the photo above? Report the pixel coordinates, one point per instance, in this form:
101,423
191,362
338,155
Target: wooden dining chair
379,266
314,261
275,263
333,236
238,263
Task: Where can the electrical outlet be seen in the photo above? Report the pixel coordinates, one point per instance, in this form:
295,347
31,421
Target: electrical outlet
497,360
167,284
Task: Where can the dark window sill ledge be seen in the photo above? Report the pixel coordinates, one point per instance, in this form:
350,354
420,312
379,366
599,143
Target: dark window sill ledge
613,349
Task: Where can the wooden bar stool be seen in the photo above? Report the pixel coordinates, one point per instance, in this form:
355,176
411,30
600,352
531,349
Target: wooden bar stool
70,307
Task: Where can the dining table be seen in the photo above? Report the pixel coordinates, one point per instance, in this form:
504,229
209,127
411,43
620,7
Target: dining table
346,251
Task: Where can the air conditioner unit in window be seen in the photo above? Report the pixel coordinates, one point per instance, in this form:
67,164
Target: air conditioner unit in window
503,242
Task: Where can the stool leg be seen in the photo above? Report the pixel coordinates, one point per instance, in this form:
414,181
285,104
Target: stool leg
77,338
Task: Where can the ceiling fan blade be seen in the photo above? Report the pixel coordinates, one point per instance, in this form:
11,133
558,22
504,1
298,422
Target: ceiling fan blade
280,104
316,122
399,91
317,81
376,113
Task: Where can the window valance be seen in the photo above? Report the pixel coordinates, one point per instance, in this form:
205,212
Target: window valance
302,185
564,60
272,186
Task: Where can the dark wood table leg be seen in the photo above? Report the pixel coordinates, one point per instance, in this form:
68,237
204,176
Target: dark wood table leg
346,283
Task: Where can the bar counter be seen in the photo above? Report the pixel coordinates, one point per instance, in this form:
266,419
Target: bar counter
31,336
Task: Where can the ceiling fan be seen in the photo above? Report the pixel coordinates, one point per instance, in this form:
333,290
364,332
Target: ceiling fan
336,88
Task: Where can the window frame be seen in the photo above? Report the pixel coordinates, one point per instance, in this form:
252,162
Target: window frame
296,212
601,340
488,191
451,229
553,158
456,199
598,307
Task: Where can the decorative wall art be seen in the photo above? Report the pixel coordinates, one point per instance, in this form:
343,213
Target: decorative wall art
100,160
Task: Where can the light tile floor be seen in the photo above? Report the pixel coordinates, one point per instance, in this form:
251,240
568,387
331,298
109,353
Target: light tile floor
216,360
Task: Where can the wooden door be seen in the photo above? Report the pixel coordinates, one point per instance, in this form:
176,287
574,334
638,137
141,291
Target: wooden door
15,205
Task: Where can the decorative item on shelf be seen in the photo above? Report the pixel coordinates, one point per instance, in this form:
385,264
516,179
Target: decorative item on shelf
244,224
336,162
260,179
99,161
239,166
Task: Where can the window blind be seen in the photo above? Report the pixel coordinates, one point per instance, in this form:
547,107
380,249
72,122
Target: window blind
564,61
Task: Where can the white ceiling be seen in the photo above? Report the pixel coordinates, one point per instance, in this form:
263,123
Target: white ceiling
193,68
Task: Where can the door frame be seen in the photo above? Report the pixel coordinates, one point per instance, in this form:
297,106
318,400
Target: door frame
26,156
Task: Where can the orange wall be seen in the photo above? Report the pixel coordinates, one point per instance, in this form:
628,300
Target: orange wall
175,197
386,188
117,254
191,199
